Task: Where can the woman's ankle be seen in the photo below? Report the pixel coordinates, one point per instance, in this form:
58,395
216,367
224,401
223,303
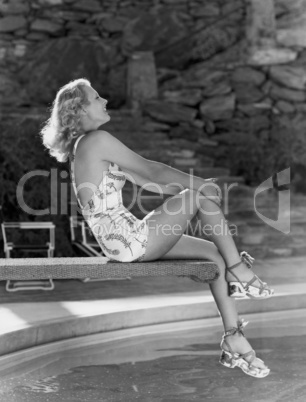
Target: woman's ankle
239,270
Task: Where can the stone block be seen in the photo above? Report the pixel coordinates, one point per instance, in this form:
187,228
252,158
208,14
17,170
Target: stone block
240,125
20,50
185,131
21,32
289,76
14,7
198,123
3,53
292,37
81,29
207,10
300,107
190,97
67,15
232,138
37,36
51,2
185,143
271,56
218,107
12,23
210,127
291,25
44,25
261,26
173,2
285,107
88,5
247,93
97,18
113,25
206,142
152,126
169,112
250,109
209,42
279,92
141,77
231,7
221,87
248,75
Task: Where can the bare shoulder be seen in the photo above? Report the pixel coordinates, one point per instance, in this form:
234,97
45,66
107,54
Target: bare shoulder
96,137
95,141
105,146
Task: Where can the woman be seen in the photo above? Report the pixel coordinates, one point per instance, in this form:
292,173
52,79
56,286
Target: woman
100,165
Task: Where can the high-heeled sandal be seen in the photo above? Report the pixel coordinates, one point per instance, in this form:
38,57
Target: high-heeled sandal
231,359
240,289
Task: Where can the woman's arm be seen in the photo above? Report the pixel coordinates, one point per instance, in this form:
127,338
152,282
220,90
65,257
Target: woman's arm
166,174
105,146
149,185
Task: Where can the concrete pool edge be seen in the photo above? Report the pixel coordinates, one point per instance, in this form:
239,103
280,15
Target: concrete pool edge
210,326
95,317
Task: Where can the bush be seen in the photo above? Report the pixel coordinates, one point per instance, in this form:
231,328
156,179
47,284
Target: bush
258,157
22,152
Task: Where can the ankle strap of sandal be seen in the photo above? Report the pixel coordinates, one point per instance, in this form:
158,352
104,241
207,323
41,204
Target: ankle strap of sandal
245,258
240,326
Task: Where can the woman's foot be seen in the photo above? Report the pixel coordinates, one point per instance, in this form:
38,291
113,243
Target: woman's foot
240,345
243,282
244,273
237,352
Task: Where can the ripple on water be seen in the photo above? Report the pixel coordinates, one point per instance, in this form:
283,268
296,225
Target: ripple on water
191,375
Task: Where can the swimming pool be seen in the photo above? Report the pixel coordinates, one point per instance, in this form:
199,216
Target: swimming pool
175,362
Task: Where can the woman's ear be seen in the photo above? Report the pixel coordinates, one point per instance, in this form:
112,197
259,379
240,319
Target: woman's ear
83,111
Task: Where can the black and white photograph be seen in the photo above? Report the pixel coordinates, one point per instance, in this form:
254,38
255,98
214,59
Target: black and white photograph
153,200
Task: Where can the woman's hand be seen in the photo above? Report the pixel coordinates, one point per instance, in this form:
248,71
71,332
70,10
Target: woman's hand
212,191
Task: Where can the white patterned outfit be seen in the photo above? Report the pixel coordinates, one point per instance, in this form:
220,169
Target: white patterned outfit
121,236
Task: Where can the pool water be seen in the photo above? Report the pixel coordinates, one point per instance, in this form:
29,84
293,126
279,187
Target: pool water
172,366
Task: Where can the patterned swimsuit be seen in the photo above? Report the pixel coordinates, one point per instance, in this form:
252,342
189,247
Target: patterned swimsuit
121,236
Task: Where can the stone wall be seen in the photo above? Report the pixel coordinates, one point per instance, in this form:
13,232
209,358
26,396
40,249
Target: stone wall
231,89
56,40
215,98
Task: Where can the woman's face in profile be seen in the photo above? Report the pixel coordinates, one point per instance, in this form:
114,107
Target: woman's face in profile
96,110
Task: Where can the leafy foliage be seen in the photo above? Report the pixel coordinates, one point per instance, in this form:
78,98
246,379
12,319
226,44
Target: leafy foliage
22,155
259,156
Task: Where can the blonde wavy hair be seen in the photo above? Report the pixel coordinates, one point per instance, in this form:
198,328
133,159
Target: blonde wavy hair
64,123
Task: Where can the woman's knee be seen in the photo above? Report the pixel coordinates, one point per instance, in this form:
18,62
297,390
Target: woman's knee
218,259
192,198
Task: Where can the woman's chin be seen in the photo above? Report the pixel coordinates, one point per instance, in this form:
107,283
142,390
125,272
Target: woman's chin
105,119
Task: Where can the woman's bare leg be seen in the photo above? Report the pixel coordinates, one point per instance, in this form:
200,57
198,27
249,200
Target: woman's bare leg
195,248
189,247
211,217
171,243
180,209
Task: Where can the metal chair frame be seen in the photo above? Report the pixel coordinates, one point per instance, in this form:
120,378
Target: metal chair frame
49,247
